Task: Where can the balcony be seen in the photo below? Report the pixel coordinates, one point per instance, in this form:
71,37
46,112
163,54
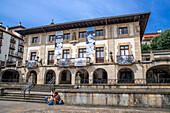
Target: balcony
31,64
12,47
146,58
74,62
20,50
21,44
162,57
13,40
50,62
10,63
125,59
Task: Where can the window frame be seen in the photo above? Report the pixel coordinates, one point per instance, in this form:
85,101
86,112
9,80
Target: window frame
67,52
124,49
52,38
100,59
124,30
33,41
101,32
67,35
51,53
83,53
33,55
83,34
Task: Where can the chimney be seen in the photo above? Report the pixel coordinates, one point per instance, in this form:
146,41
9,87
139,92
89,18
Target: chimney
7,28
19,23
1,24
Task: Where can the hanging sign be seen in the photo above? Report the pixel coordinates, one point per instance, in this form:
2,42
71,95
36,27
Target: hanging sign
80,62
90,40
58,43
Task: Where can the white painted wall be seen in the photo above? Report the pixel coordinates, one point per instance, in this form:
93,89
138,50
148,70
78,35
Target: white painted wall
5,46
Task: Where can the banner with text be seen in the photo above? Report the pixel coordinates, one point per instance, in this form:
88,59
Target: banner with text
90,40
80,62
30,64
58,43
64,62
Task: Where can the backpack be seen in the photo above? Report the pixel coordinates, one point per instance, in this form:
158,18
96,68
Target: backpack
50,102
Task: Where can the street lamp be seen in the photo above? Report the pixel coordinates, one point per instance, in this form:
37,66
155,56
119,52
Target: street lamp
111,57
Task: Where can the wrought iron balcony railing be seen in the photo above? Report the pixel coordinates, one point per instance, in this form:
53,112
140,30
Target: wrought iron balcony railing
21,44
74,62
125,59
11,63
2,64
12,47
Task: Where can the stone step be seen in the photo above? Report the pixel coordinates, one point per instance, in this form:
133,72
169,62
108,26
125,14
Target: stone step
22,100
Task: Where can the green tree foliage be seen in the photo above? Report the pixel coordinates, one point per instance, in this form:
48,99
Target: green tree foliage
159,42
162,41
145,47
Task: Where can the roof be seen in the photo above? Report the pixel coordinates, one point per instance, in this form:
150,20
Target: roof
10,33
141,17
15,27
150,34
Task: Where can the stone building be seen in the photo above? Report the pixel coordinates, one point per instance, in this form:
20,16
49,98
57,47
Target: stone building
117,58
11,50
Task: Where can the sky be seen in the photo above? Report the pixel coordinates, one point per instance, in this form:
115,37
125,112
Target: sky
35,13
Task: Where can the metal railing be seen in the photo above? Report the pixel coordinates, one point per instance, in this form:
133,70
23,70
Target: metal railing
125,59
51,82
146,58
10,80
21,44
126,81
28,88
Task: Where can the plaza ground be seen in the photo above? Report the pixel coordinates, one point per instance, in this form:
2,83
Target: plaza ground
27,107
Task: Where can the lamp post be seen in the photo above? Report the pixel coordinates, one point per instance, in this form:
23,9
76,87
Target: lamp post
111,57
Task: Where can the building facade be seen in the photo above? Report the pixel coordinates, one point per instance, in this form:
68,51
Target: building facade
11,49
117,56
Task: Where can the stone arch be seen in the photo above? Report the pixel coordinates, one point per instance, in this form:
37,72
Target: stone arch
100,76
31,77
10,75
125,75
84,75
158,74
49,74
65,77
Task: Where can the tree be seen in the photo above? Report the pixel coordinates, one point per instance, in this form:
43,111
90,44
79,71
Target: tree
162,41
145,47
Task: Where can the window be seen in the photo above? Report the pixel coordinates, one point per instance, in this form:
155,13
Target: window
35,40
52,38
100,55
82,34
124,50
82,53
123,30
99,32
67,36
33,55
51,57
66,54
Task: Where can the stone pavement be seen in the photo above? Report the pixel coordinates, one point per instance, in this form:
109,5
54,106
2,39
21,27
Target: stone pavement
26,107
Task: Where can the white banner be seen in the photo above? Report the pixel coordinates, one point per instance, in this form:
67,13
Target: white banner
90,40
59,43
64,62
30,63
80,62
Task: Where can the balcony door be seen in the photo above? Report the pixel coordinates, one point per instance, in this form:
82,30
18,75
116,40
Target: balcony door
33,55
66,54
124,50
100,55
51,57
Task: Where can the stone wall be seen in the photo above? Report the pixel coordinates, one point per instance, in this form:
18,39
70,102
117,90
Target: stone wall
158,98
